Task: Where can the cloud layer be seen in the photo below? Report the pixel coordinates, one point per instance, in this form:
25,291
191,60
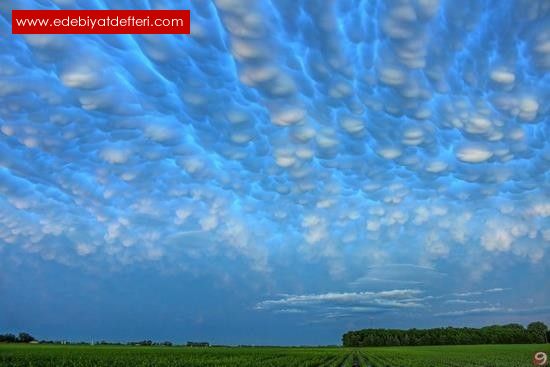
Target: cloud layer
284,135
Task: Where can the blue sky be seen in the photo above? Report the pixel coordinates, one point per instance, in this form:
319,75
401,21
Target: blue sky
289,171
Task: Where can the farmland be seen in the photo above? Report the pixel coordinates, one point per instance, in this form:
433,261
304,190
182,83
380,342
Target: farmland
12,355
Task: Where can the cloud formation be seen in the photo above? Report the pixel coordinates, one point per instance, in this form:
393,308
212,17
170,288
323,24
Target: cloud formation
284,135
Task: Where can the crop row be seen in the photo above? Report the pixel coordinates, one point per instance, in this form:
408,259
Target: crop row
88,356
453,356
122,356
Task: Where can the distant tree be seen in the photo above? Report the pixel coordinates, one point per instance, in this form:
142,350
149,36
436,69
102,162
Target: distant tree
514,326
145,343
25,338
8,338
538,331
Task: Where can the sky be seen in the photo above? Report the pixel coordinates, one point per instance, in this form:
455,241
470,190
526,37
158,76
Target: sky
289,171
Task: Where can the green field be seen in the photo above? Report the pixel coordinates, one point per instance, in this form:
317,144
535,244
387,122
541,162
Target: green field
12,355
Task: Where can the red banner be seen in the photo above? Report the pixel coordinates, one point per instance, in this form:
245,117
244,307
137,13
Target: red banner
101,22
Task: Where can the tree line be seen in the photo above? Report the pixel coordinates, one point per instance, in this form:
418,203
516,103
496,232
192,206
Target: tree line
21,338
27,338
536,332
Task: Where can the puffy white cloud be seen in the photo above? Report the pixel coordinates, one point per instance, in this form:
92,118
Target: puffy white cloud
500,234
115,155
474,153
390,152
84,249
81,77
503,76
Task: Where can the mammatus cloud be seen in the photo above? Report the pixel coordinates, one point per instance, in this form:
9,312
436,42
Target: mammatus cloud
337,135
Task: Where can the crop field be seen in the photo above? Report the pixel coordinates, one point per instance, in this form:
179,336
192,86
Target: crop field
12,355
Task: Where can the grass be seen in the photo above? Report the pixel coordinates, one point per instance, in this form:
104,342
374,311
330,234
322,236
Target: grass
17,355
456,355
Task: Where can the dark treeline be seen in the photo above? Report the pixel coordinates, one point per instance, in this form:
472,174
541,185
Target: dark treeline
27,338
536,332
21,338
